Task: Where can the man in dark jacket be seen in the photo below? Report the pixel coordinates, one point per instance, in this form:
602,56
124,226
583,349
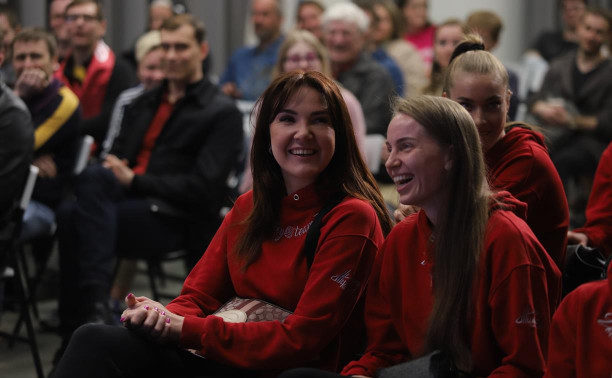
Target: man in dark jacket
162,185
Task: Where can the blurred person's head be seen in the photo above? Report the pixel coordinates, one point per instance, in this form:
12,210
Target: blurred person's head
301,50
57,11
183,41
159,11
593,30
345,27
448,35
309,15
85,23
488,25
149,55
34,48
572,11
415,14
478,81
267,18
390,22
9,24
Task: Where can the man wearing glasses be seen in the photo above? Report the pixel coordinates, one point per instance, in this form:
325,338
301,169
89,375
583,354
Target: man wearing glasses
91,70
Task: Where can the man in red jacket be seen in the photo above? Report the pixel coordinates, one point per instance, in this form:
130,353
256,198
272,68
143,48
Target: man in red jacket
91,70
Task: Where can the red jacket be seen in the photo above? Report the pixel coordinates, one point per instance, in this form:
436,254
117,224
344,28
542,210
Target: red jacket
515,296
322,298
519,163
93,89
598,226
581,333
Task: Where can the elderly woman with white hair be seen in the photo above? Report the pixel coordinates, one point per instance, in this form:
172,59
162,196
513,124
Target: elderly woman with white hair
344,28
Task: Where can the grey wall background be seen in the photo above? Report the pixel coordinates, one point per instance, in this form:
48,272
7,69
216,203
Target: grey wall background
227,20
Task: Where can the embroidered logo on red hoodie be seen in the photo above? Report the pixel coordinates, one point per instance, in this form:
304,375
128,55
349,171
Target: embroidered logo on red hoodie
342,279
606,322
528,318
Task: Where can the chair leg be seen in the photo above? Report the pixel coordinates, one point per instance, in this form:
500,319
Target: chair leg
25,312
151,273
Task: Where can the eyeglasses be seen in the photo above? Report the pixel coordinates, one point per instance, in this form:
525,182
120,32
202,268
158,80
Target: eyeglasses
85,17
308,57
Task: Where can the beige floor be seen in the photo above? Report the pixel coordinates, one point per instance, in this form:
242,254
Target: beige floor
17,362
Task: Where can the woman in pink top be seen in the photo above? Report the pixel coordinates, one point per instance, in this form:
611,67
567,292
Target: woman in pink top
419,31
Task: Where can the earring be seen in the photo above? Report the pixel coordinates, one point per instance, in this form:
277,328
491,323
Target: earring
270,150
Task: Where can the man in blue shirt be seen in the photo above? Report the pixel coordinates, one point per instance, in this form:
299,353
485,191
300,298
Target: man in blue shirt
249,70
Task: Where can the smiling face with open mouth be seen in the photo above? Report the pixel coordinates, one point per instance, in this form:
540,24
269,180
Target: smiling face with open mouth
302,138
418,164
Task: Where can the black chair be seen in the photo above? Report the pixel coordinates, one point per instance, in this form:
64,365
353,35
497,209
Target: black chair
14,271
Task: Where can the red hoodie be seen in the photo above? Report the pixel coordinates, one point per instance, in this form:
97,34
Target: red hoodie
322,299
581,333
514,298
519,163
598,226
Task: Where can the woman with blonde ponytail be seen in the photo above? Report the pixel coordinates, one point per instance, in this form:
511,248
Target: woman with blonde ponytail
463,283
516,156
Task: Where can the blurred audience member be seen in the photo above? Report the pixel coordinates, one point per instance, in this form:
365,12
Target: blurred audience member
553,44
581,331
92,71
160,188
10,26
345,26
16,146
56,115
448,35
574,104
419,31
597,231
388,35
249,70
159,11
379,54
57,24
150,74
309,15
489,26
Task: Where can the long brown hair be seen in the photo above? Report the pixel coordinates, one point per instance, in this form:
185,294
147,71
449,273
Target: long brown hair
459,232
346,171
434,87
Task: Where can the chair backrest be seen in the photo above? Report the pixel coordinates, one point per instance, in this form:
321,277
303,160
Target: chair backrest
26,195
84,151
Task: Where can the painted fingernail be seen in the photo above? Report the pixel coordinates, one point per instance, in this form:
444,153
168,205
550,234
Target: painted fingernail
168,320
156,309
163,313
122,319
130,295
146,308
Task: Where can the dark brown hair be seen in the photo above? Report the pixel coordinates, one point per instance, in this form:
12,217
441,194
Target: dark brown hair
35,35
459,231
175,22
346,172
99,12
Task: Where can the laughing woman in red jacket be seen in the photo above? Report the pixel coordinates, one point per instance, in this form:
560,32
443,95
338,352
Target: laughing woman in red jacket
465,275
304,151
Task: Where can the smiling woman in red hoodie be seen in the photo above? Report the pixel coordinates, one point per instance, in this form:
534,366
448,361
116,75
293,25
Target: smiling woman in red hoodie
304,152
465,275
516,156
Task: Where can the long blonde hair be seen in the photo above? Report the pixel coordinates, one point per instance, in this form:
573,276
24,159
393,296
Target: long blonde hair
307,37
459,232
469,57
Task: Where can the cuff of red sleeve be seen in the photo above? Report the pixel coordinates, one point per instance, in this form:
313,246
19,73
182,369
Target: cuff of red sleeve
192,332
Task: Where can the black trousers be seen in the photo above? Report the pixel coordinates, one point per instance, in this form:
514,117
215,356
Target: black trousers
105,222
97,351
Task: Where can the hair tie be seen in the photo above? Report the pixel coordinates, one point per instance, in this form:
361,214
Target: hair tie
465,47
